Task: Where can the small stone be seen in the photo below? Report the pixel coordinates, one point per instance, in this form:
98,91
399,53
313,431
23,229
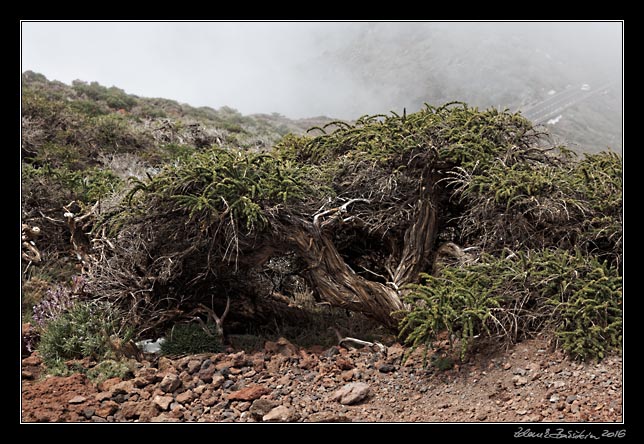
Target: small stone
519,371
102,396
98,419
217,381
206,373
519,380
352,393
163,402
208,400
139,382
185,397
88,413
106,409
521,412
348,375
481,416
77,399
395,353
170,383
164,363
249,393
570,399
386,368
261,407
32,361
280,414
193,366
282,347
108,384
344,364
327,417
559,384
243,406
164,418
151,375
507,366
26,374
331,352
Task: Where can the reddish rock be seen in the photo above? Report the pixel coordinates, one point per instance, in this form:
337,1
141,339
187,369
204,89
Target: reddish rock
185,397
170,383
163,402
308,361
108,384
33,360
102,396
344,364
282,347
249,393
106,409
150,374
206,374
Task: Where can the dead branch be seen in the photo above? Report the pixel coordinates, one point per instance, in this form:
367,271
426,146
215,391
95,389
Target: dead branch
373,345
219,321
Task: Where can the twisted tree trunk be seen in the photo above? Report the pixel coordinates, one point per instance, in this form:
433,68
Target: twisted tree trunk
336,283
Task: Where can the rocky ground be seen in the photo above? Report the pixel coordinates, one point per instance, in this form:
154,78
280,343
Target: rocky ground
528,382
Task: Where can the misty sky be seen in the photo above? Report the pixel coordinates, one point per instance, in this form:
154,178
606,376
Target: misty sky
309,69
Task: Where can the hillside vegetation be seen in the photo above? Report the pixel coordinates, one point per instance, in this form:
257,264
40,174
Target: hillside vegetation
446,219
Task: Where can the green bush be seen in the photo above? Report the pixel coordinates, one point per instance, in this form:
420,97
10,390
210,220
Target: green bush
459,301
186,339
576,296
86,330
107,369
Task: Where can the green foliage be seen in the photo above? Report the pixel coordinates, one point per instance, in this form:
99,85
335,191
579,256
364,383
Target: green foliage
114,97
87,185
459,301
586,298
218,184
461,135
109,368
85,330
575,295
558,203
185,339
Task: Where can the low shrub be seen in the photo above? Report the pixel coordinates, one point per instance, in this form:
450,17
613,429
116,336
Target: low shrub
87,329
576,296
186,339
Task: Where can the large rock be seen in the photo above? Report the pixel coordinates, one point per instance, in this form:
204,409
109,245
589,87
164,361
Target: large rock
249,393
170,383
352,393
281,414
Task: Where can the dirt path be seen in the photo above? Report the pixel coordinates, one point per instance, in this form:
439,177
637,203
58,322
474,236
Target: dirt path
527,383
